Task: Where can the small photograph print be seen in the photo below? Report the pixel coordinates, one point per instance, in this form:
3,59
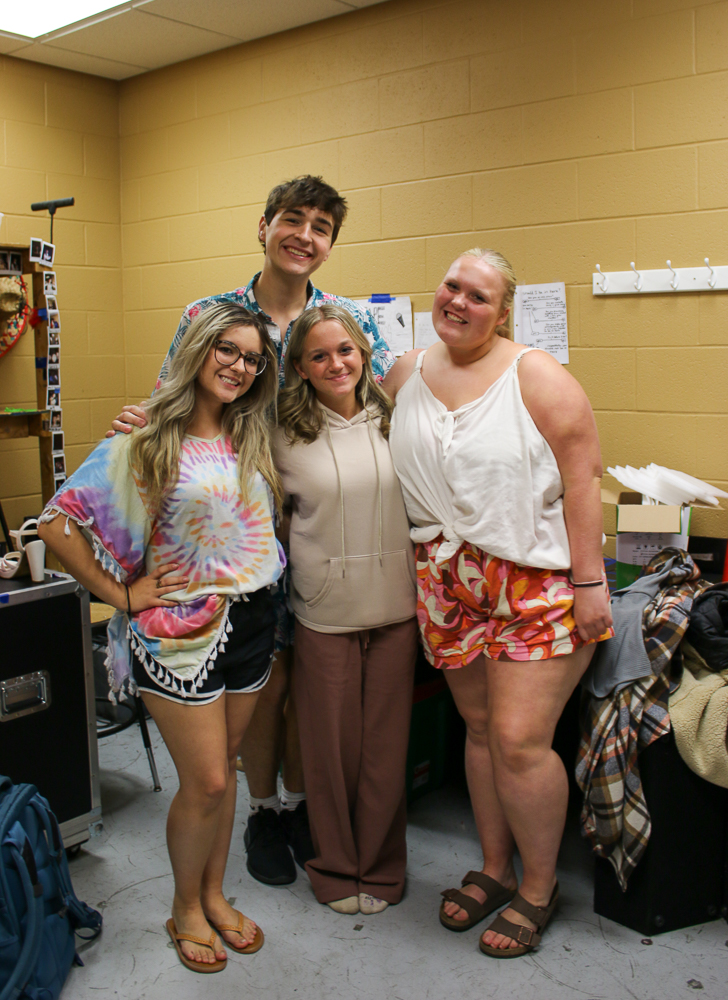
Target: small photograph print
54,356
53,399
51,303
57,442
47,253
56,420
49,283
54,375
54,338
58,482
59,465
54,323
10,263
36,249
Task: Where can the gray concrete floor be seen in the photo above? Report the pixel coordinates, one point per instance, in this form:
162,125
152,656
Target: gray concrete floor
312,953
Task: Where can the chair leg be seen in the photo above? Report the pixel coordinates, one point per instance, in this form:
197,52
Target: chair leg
147,742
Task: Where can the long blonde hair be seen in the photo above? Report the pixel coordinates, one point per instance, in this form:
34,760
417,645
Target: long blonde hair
504,267
155,449
298,411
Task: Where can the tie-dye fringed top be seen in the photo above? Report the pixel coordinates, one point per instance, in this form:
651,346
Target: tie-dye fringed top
226,547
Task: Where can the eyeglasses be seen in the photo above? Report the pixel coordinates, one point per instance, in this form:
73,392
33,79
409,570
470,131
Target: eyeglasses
227,354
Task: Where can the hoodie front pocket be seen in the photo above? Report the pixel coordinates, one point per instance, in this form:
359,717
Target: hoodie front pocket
365,592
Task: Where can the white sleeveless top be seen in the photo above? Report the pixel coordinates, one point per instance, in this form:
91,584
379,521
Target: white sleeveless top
483,473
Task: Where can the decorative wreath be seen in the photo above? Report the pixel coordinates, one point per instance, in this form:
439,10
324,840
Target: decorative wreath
14,311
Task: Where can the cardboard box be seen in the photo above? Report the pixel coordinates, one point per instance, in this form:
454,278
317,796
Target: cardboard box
642,531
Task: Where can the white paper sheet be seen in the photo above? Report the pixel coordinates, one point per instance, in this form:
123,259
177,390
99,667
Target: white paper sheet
540,319
425,334
394,319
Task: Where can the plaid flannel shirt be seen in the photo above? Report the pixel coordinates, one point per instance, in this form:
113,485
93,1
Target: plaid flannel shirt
615,729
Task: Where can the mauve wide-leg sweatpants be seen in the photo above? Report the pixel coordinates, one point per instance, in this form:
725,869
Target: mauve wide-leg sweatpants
354,700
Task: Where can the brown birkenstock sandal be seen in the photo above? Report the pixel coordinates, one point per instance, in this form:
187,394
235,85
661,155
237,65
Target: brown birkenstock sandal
497,895
527,937
250,949
217,966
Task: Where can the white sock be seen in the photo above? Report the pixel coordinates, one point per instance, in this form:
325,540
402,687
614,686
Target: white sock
371,904
289,800
348,905
272,802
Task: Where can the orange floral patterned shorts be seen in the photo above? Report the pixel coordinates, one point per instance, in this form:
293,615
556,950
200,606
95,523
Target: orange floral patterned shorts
477,603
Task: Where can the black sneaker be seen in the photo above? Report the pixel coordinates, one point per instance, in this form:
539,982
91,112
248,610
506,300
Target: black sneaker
269,859
298,833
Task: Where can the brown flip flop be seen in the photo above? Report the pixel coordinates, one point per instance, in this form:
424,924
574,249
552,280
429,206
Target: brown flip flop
250,949
217,966
497,895
527,937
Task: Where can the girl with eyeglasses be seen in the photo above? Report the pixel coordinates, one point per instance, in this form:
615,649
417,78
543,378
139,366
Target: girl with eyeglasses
173,525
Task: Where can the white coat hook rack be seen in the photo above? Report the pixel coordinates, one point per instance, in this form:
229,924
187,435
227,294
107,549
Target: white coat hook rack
671,279
711,279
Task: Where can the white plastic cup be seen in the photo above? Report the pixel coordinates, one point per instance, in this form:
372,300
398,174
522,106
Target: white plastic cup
35,551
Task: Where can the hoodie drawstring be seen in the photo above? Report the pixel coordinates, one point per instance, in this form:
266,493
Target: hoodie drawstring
341,488
341,495
379,482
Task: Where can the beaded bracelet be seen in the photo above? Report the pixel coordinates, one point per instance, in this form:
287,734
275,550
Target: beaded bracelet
591,583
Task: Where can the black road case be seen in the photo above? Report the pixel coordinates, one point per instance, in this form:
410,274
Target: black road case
47,701
680,878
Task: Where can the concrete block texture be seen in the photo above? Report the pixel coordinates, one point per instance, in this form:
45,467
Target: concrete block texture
691,109
420,95
425,207
679,379
713,175
469,28
28,144
468,143
529,73
566,18
648,182
711,38
525,196
653,48
635,321
585,125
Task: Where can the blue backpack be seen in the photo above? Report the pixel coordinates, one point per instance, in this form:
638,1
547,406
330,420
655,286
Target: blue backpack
39,911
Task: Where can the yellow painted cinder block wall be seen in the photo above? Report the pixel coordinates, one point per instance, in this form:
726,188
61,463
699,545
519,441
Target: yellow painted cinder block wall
59,137
563,132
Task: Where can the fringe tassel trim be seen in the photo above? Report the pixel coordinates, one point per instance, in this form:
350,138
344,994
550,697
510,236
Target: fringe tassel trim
168,678
101,555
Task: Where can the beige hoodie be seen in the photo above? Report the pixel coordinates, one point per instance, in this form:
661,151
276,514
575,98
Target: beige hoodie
352,563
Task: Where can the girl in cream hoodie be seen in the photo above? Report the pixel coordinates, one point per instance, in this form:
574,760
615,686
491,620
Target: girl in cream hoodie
353,594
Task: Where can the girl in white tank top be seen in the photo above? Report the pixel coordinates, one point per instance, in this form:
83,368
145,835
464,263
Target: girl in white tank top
483,473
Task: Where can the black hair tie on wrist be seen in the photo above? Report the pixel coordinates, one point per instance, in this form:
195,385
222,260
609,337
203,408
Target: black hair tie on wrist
591,583
128,600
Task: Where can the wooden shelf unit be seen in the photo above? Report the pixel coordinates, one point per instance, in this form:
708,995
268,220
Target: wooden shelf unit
31,424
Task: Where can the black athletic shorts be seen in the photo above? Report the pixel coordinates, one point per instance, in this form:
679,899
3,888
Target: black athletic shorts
242,668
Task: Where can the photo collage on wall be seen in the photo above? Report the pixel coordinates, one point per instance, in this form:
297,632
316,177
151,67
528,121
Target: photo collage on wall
53,382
